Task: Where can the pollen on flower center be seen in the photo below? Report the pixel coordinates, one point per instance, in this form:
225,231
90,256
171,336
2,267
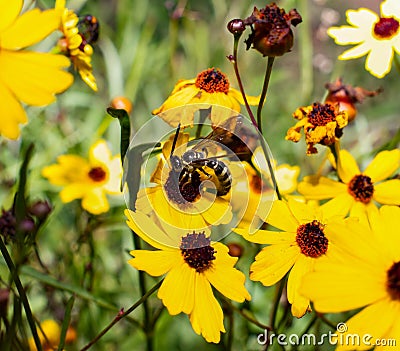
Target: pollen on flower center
311,239
321,114
212,80
197,251
183,188
386,28
393,281
361,188
97,174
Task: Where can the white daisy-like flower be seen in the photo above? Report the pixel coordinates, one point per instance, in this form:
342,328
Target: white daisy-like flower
376,36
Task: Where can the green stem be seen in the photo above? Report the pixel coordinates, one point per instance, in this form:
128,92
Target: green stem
234,60
122,315
267,77
396,62
148,326
278,294
22,294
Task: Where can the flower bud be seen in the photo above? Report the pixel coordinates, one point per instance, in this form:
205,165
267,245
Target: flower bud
122,103
40,209
235,250
236,26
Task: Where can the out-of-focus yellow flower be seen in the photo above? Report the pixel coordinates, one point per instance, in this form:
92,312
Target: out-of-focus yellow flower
302,240
210,89
357,191
322,124
72,44
87,179
51,337
362,270
32,78
375,36
192,264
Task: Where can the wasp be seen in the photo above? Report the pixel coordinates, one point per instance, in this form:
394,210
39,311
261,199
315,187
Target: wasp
188,168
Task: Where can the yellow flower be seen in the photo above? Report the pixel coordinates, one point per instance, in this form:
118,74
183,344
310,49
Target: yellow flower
357,191
322,124
88,180
212,89
29,77
375,36
176,202
51,337
362,271
192,264
74,46
303,239
256,190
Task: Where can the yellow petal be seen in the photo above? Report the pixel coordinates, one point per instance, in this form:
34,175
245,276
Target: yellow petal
95,201
226,279
178,291
320,188
266,237
281,217
303,212
388,192
207,317
383,165
347,166
69,169
219,212
11,113
73,191
9,12
113,185
149,232
375,320
273,262
338,206
34,77
155,263
300,304
178,99
252,100
30,28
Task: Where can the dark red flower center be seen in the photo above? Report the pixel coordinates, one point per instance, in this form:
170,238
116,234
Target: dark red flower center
184,187
311,239
197,251
361,188
386,28
212,80
393,281
321,114
97,174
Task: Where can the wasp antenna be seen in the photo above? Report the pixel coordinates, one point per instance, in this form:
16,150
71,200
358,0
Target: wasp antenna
175,139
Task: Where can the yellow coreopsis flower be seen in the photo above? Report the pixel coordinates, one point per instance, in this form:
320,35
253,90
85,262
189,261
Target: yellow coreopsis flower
177,203
322,124
27,77
303,239
74,45
375,36
363,270
49,336
210,89
87,179
357,191
192,264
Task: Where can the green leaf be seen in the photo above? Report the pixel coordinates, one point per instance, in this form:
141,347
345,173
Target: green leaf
125,124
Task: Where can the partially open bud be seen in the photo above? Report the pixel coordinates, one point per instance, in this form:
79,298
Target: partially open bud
347,96
122,103
271,33
40,209
235,250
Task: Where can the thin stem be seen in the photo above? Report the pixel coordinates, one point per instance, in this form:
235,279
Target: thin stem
22,294
267,77
147,325
121,315
278,294
271,171
234,60
396,62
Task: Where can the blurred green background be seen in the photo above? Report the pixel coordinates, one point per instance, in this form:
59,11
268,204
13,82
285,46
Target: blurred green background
144,48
